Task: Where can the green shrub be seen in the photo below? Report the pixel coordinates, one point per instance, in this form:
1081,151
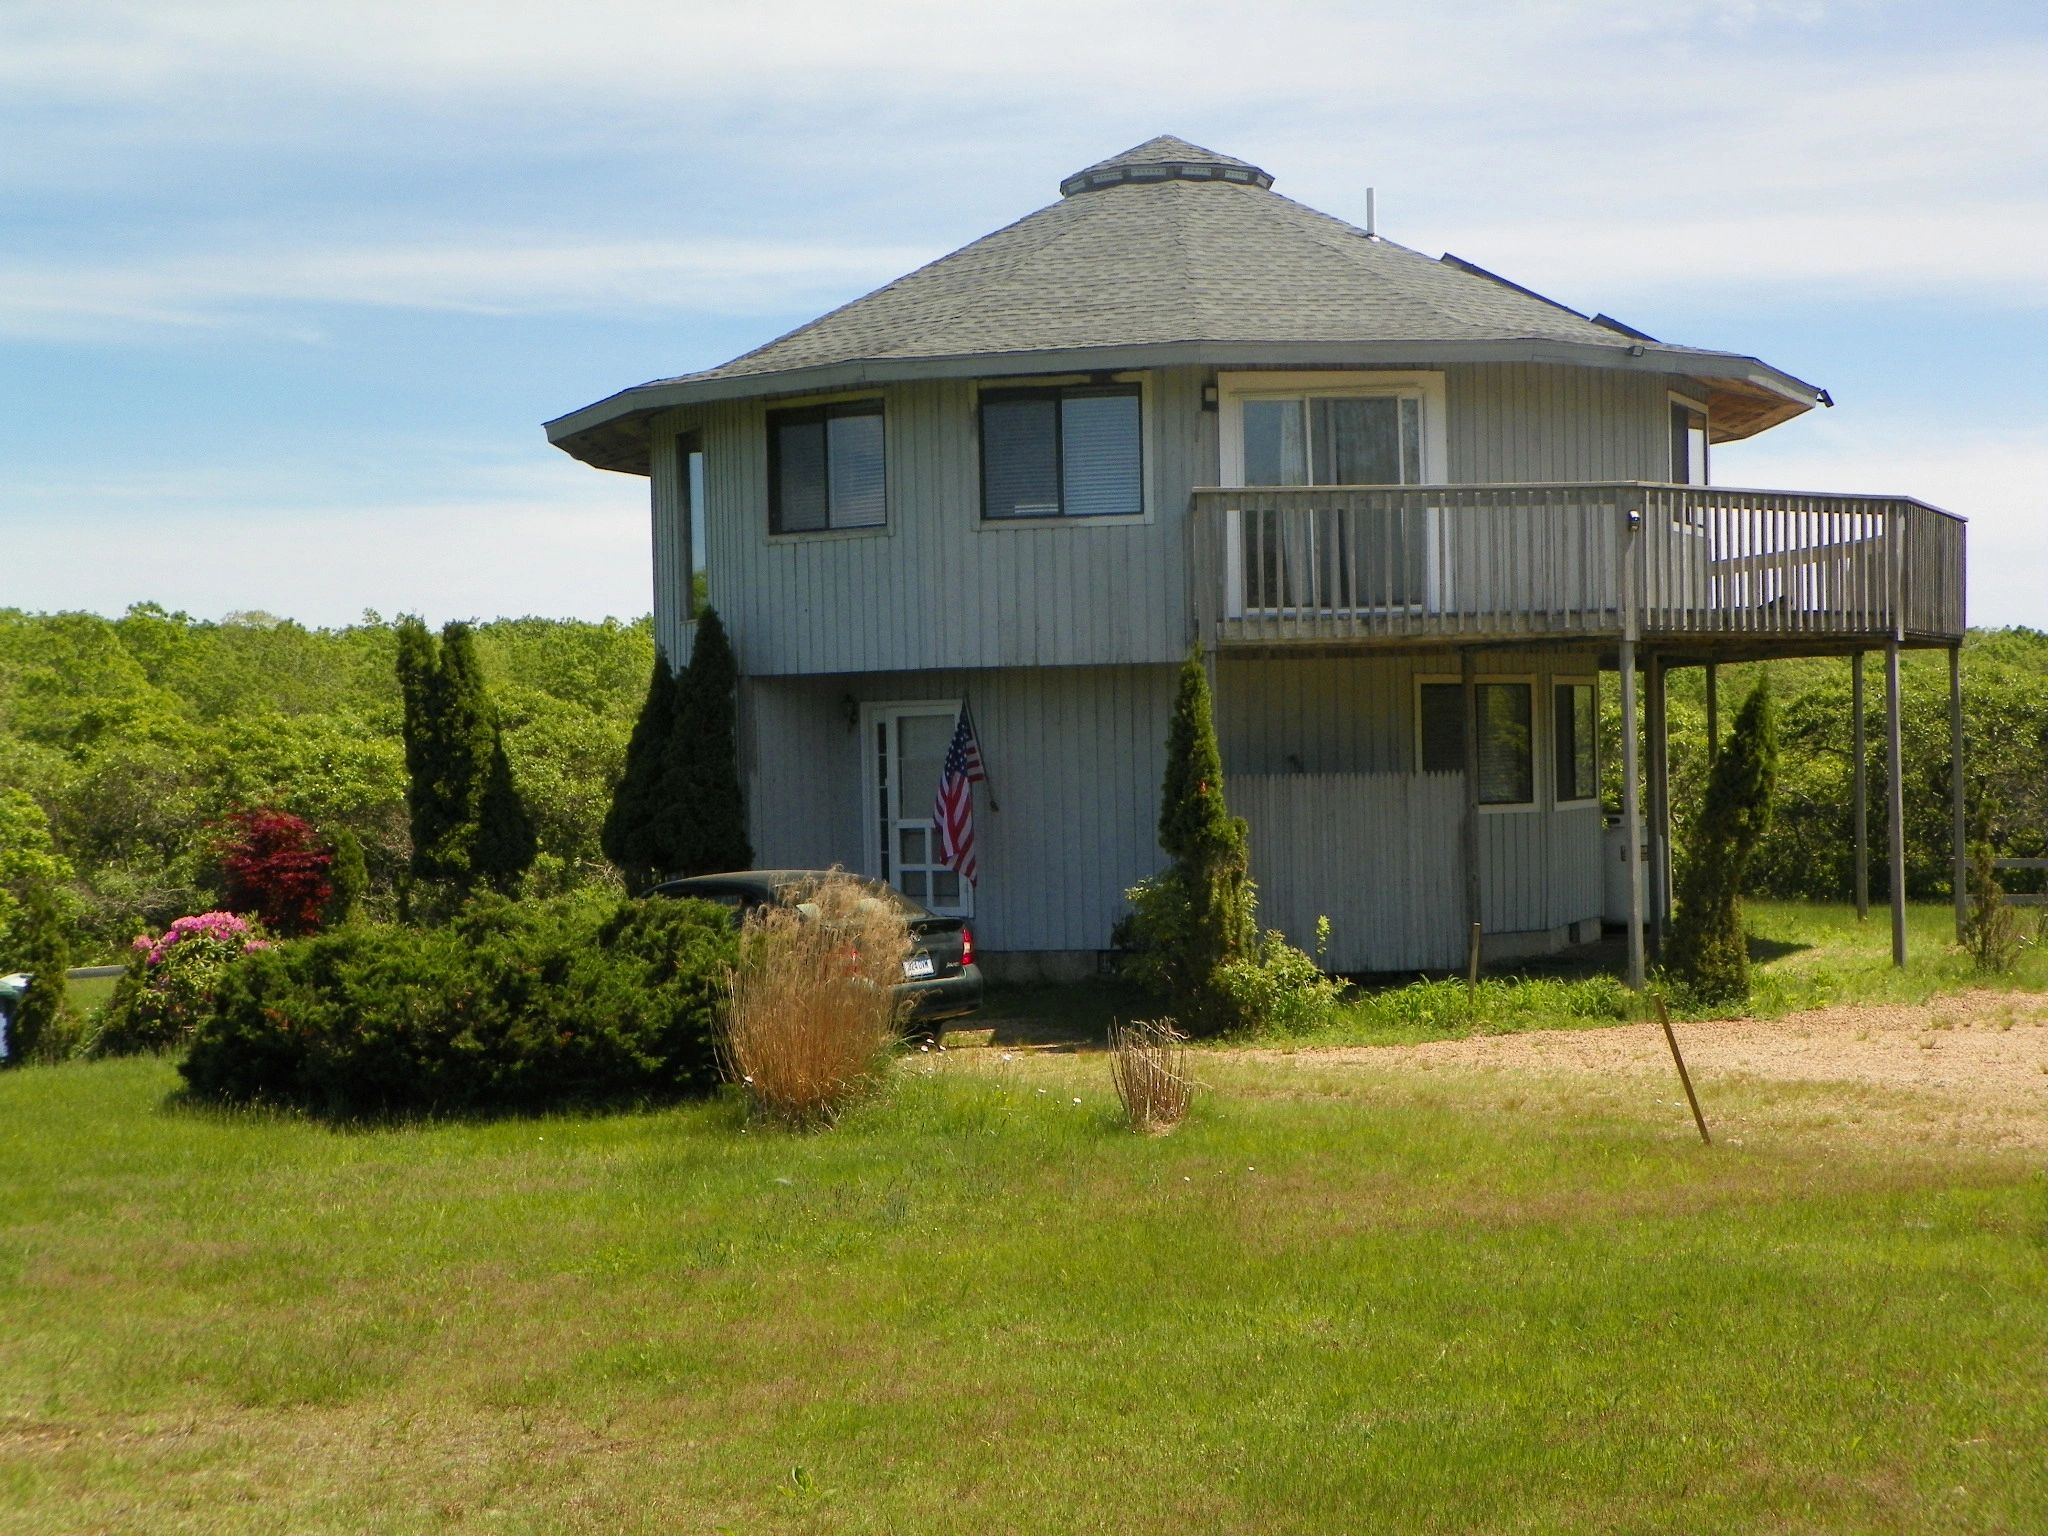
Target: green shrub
1709,951
172,981
42,1015
1991,927
511,1006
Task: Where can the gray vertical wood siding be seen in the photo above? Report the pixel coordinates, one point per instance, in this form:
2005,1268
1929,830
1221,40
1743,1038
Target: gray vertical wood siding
939,587
1074,755
1510,423
1539,868
1375,853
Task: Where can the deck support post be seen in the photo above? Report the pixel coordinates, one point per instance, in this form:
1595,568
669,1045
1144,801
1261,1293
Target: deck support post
1631,814
1896,790
1958,854
1631,786
1713,712
1861,753
1659,727
1468,681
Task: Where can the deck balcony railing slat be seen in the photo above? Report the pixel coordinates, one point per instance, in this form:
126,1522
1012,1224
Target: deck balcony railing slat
1288,564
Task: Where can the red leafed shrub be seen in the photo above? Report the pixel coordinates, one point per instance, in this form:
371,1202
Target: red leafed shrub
276,867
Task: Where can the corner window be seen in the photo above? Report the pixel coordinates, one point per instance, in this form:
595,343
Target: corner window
1688,443
690,493
1574,732
1507,759
825,468
1061,453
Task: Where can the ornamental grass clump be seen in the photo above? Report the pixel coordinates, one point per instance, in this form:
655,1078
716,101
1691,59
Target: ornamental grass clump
814,1009
1148,1063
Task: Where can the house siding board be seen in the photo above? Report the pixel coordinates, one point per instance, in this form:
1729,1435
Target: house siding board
1075,756
939,588
1351,719
1511,423
1376,854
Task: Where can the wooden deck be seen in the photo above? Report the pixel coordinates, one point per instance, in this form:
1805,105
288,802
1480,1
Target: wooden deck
1717,572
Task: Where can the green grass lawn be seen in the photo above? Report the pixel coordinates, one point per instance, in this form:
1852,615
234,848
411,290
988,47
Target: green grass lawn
88,992
1804,955
1335,1301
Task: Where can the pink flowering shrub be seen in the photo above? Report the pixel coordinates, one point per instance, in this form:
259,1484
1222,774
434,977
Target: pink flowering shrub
172,980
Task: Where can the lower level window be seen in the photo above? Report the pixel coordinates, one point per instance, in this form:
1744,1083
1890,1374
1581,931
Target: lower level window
1507,759
1573,736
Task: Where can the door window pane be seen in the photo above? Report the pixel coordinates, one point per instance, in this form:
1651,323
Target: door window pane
1275,442
1357,440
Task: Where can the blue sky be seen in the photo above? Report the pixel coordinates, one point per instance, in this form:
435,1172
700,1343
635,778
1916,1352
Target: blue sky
287,289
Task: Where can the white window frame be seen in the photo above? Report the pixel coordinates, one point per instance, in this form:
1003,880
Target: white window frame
765,430
1539,731
1148,456
1233,389
1692,403
1557,796
874,862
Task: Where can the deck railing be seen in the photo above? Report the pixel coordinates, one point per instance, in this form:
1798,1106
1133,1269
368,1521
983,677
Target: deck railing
1329,564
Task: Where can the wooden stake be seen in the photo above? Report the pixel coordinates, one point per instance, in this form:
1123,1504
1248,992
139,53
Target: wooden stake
1685,1077
1472,964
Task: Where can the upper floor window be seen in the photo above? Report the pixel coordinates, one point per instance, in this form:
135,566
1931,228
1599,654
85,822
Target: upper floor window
1073,452
825,468
1688,443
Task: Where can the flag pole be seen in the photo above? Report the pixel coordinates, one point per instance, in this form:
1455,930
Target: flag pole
987,779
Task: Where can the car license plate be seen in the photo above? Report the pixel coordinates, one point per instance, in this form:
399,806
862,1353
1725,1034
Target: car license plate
917,967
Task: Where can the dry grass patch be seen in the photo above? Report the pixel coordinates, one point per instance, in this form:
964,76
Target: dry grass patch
814,1009
1148,1063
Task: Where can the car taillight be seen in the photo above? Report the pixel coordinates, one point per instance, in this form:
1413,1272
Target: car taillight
966,945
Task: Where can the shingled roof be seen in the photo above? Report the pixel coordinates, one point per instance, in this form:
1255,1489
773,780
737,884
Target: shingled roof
1171,253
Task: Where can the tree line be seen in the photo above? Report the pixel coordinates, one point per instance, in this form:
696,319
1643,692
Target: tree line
128,744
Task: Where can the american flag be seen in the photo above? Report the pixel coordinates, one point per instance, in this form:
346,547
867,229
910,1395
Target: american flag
953,812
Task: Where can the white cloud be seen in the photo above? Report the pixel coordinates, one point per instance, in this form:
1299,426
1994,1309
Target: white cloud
711,276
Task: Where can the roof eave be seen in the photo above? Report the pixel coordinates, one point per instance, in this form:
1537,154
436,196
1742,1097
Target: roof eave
612,433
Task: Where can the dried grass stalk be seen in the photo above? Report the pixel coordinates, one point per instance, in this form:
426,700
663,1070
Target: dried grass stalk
1148,1062
813,1011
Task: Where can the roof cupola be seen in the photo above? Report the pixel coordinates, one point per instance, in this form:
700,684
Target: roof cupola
1165,159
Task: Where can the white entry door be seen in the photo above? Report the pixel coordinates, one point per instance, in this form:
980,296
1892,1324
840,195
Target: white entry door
906,753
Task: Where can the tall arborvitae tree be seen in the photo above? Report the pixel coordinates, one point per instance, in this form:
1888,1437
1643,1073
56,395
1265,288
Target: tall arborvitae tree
44,951
1708,951
505,841
631,838
1199,915
701,800
469,822
350,877
438,777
